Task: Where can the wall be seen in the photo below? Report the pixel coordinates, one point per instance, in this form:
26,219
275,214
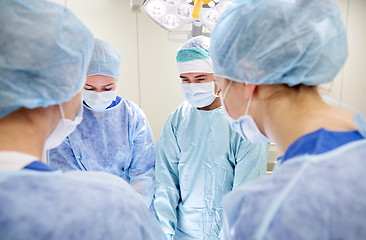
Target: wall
148,73
160,83
349,85
354,76
149,76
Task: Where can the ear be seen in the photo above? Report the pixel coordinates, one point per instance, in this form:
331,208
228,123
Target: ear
217,90
249,90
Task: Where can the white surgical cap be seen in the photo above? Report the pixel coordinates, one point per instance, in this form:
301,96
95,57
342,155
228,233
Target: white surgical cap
193,56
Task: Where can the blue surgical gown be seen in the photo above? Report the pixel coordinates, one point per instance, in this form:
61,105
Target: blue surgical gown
48,205
310,196
118,141
199,160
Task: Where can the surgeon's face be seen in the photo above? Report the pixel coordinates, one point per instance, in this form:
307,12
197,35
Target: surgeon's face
100,83
196,77
236,98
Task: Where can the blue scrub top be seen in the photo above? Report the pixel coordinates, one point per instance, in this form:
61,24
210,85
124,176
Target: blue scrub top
320,141
118,141
43,205
312,196
38,166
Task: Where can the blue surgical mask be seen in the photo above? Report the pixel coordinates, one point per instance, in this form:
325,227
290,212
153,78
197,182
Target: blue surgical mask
99,101
199,94
244,125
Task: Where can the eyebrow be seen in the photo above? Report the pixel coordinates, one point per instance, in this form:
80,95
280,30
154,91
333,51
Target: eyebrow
199,76
88,85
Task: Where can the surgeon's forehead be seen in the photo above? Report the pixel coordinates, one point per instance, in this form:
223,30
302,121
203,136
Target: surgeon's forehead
100,80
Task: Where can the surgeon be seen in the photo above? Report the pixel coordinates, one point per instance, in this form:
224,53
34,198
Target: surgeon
269,57
44,54
199,158
114,136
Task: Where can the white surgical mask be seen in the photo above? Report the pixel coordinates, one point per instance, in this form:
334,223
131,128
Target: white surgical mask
64,128
244,125
99,101
199,94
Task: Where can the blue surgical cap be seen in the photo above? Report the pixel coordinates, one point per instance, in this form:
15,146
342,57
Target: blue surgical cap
106,60
279,41
44,54
194,56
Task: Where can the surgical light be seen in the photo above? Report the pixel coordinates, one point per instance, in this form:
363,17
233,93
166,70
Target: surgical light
173,14
211,4
224,6
198,7
157,9
171,21
185,11
211,16
171,2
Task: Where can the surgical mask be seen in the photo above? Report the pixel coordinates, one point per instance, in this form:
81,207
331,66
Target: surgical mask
244,125
199,94
64,128
99,101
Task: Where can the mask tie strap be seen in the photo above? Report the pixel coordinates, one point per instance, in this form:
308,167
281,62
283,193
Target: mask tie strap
226,91
216,94
61,111
339,104
250,101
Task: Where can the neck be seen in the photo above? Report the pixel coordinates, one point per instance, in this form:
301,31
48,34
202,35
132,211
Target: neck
215,104
24,133
294,116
